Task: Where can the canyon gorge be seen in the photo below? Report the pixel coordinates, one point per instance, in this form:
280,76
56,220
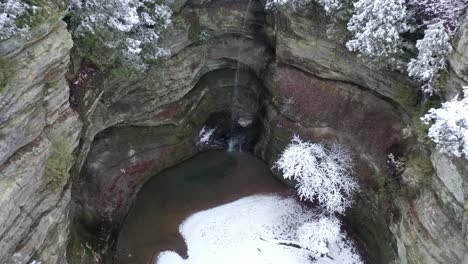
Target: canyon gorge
78,141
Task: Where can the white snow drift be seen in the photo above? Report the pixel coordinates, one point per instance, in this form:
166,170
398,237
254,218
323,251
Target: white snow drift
258,229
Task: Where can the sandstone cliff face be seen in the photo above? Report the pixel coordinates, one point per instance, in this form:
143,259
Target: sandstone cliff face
294,79
454,172
458,69
38,133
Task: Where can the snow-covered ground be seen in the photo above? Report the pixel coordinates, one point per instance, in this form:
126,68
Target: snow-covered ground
251,230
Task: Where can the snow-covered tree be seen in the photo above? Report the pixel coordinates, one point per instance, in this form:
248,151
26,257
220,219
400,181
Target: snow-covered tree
318,235
433,50
377,26
441,19
132,28
321,173
448,11
10,11
331,6
449,129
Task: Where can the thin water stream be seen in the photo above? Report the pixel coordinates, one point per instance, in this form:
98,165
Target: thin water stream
233,145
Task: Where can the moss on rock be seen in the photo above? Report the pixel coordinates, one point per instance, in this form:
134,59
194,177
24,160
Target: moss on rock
407,97
424,164
417,125
44,11
59,163
6,72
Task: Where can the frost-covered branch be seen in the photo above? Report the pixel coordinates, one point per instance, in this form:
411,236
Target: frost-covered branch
433,51
377,26
448,11
321,173
449,129
10,11
331,6
286,4
441,19
132,28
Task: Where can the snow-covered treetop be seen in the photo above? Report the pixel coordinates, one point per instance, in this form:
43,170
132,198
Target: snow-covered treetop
10,11
449,129
133,28
377,26
433,50
448,11
321,173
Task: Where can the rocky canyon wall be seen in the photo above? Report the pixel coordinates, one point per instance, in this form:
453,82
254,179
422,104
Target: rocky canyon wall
38,133
419,211
123,128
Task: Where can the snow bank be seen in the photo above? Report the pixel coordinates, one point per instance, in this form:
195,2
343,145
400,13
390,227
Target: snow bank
252,230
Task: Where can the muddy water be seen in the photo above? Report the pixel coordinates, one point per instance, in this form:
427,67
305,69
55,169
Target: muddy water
205,181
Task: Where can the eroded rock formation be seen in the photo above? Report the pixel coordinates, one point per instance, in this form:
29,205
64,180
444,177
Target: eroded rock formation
38,133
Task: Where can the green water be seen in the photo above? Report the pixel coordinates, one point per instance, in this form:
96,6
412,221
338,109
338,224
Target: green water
205,181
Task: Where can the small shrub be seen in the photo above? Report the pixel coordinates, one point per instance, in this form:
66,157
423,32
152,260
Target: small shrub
449,126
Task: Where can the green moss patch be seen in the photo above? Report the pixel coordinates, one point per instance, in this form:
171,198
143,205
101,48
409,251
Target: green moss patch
59,163
418,126
44,11
407,97
424,164
6,72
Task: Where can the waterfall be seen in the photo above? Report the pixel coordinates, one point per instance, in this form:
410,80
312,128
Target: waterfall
233,142
244,25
